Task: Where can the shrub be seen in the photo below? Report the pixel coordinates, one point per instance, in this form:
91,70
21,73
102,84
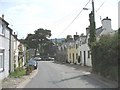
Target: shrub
105,56
29,69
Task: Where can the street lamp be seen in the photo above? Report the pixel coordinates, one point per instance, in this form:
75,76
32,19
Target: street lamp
85,8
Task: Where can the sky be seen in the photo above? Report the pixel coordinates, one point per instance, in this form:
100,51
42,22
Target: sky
26,16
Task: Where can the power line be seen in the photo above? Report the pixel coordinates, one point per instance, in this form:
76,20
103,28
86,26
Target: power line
100,6
73,19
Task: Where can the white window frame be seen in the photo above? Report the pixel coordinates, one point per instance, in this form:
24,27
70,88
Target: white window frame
1,61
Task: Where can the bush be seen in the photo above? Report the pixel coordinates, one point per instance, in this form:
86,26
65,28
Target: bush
105,56
29,69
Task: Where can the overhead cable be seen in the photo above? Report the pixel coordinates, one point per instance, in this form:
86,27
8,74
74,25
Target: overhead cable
74,19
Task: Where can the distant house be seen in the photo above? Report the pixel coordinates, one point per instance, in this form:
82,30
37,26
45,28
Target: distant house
72,50
84,51
61,52
5,32
58,40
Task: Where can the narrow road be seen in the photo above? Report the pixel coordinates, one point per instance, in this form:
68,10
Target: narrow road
52,75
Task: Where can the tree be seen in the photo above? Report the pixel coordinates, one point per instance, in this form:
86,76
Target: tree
38,40
31,41
43,33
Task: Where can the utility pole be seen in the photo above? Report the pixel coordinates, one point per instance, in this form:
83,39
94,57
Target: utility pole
93,10
92,25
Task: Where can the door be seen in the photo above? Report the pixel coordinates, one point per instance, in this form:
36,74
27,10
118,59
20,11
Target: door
84,58
73,57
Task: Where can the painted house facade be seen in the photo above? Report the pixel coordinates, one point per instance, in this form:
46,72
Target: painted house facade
72,50
18,53
5,32
12,54
84,51
61,53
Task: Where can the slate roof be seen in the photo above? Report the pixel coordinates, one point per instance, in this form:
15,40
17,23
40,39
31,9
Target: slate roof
98,31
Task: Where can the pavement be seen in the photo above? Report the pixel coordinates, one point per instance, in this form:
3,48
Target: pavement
11,82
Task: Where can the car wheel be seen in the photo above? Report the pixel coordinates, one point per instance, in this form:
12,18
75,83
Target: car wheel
35,67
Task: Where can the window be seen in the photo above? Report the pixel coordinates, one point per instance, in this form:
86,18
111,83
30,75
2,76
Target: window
76,56
70,55
3,29
1,60
88,54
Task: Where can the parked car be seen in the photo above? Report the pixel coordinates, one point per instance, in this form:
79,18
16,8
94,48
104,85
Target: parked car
46,58
33,62
37,58
51,58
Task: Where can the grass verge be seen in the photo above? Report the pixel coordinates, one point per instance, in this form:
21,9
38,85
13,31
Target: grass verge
18,73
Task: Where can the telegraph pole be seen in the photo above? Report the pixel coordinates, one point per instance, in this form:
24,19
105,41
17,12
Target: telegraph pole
92,25
93,10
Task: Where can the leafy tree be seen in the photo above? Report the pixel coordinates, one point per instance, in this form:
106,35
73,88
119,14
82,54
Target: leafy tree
39,40
43,33
31,41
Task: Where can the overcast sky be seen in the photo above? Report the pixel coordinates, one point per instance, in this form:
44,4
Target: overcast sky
26,16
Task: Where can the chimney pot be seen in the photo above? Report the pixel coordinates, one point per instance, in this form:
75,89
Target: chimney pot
76,33
2,16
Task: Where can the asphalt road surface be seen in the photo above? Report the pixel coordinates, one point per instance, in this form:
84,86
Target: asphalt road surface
52,75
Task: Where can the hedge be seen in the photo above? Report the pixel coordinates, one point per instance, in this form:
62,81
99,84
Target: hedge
105,56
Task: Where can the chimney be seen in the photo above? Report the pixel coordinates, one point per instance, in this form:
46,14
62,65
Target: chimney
106,24
2,16
76,36
76,33
15,35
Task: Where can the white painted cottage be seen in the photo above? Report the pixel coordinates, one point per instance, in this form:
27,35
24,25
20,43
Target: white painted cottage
5,32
